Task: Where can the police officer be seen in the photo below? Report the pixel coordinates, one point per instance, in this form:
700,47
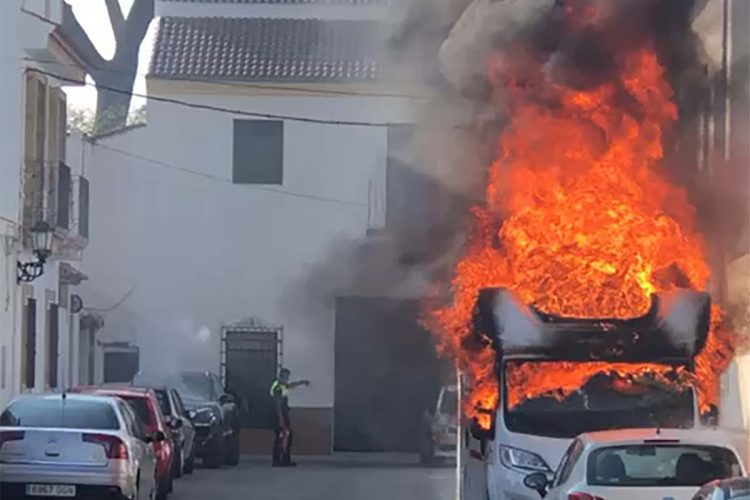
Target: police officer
282,442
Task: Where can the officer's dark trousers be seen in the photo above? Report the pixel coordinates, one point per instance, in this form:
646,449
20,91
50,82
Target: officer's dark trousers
282,455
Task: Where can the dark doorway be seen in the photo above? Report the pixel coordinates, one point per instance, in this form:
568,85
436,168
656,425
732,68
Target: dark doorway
387,374
120,366
250,366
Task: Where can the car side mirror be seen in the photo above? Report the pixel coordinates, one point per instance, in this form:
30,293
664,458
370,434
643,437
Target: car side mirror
537,481
158,437
226,398
175,423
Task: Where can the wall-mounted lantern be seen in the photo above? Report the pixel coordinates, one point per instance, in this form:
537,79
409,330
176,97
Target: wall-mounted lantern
41,246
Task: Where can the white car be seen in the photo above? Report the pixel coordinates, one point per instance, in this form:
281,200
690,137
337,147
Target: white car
77,446
439,432
639,463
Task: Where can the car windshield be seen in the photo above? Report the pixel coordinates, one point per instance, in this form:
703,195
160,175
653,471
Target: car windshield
59,413
199,384
660,464
599,406
173,381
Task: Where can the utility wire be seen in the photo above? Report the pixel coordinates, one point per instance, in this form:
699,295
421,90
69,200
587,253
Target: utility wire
271,116
225,180
113,306
241,85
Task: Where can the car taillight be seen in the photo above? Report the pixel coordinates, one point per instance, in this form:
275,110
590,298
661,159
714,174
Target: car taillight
8,436
113,446
583,496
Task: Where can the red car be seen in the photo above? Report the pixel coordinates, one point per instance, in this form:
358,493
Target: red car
146,406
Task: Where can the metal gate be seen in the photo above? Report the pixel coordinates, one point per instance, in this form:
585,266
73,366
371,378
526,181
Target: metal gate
251,356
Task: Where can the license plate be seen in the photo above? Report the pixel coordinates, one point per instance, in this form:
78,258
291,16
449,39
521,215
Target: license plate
51,490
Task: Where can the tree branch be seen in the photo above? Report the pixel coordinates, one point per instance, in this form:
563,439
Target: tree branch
77,37
141,14
116,18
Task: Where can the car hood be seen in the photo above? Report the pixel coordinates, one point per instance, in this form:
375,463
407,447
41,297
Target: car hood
196,403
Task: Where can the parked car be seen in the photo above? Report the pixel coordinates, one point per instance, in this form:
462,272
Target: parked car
736,488
146,407
181,426
75,445
439,430
215,415
639,463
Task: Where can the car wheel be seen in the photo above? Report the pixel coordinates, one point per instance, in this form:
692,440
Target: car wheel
233,449
215,456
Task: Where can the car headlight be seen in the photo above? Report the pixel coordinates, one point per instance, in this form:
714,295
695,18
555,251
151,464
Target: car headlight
204,416
517,459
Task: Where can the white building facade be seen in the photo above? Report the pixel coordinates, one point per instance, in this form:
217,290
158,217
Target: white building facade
265,148
38,328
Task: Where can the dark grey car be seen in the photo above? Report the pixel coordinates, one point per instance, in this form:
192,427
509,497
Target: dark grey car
215,414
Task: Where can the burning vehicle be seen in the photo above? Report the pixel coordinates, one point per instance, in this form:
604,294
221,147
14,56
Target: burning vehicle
641,378
579,301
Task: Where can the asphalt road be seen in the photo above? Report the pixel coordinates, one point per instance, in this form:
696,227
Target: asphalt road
343,477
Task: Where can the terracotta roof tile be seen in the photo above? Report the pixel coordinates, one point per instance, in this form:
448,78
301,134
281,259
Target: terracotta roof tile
265,49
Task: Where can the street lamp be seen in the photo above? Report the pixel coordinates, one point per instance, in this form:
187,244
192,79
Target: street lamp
41,246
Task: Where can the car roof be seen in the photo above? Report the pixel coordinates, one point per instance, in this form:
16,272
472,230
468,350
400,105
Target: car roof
634,436
144,392
69,396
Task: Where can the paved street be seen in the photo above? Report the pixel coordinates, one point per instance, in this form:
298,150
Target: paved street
345,477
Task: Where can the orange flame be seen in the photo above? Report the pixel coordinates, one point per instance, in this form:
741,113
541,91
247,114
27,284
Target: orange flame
578,221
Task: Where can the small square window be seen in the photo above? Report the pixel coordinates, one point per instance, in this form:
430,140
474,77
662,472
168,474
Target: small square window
258,152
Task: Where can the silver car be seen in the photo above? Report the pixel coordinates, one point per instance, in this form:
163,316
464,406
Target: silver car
737,488
75,445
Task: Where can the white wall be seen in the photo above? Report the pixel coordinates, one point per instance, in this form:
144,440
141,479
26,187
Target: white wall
200,251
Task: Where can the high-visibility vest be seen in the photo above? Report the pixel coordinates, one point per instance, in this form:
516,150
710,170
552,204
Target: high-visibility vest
284,388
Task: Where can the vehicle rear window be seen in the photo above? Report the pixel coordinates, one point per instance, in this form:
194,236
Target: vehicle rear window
66,414
141,409
662,464
163,398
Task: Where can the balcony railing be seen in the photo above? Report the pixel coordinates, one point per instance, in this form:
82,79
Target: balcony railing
80,207
52,194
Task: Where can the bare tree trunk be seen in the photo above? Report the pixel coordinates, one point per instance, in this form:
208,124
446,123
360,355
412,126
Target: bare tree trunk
114,78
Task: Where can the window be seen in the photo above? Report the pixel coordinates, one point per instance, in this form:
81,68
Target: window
218,389
660,464
140,407
53,345
29,345
200,384
58,412
596,407
132,422
45,130
179,406
163,398
258,152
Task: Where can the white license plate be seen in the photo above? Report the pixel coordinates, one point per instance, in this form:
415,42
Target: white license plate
51,490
